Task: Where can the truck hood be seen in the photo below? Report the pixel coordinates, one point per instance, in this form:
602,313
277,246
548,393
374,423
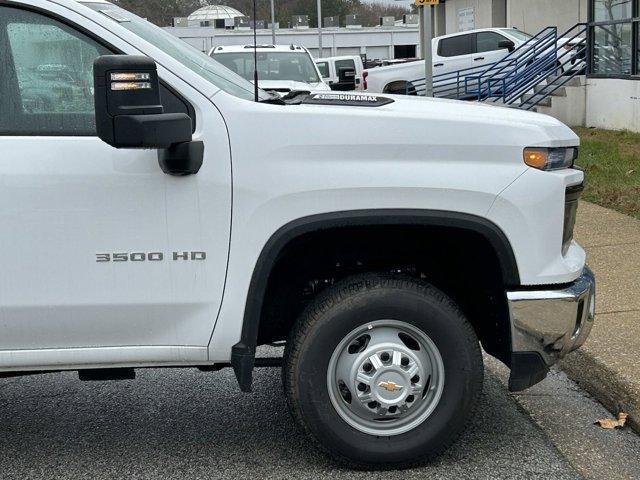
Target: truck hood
472,121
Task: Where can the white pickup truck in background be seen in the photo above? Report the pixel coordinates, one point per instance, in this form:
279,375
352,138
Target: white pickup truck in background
281,68
451,53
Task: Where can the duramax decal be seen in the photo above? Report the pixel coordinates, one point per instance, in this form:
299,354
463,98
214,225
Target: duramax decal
348,99
150,257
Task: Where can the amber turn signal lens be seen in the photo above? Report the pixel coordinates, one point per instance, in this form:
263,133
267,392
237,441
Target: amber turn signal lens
550,158
536,158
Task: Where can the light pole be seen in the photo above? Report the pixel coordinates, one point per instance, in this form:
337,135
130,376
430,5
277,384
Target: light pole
425,8
319,29
428,53
273,23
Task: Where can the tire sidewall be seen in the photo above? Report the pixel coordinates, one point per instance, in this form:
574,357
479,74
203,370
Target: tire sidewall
433,314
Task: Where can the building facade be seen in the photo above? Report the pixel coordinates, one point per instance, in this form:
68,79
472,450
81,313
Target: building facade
609,96
528,15
376,43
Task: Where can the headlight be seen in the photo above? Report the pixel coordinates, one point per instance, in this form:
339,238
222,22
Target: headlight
550,158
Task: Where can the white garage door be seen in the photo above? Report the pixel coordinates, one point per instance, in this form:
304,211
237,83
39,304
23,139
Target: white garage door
377,52
348,50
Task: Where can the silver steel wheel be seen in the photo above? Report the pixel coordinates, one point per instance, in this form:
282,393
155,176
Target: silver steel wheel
385,378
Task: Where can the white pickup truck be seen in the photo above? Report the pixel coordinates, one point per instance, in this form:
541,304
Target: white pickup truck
165,218
281,68
475,49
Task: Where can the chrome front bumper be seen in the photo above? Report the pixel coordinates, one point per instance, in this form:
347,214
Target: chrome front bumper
552,322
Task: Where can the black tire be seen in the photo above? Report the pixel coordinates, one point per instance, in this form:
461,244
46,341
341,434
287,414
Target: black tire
350,304
400,88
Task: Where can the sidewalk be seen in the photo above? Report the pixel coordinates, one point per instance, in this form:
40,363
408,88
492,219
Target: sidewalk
608,365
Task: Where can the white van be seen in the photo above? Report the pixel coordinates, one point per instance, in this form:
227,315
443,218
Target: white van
329,68
281,68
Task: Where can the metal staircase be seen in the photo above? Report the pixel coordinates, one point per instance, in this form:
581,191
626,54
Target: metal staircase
527,77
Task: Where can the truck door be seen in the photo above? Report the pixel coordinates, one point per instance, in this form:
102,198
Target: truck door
487,49
99,248
453,53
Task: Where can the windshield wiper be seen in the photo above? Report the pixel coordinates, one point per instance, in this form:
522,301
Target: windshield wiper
273,98
295,97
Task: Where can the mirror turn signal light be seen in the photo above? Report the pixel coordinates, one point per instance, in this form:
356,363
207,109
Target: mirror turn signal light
130,76
550,158
130,81
131,86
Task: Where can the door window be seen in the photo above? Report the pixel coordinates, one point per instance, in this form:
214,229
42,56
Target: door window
488,41
455,46
345,64
48,83
323,67
47,87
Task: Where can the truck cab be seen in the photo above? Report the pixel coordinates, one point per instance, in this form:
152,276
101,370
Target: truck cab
174,215
281,68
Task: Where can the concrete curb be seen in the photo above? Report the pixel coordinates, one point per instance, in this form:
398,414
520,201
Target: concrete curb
604,385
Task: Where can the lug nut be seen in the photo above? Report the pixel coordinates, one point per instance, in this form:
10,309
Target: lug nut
385,357
404,362
410,398
393,409
372,404
362,387
367,367
415,379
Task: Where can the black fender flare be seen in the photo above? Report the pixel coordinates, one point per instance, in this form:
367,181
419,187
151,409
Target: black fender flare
243,352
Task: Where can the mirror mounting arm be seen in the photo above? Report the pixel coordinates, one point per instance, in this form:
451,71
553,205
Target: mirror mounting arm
182,159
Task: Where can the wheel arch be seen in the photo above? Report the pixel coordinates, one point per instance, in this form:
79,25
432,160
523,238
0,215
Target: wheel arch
399,87
243,352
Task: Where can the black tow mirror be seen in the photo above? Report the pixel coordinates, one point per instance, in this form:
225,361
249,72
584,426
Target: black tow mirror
129,113
508,44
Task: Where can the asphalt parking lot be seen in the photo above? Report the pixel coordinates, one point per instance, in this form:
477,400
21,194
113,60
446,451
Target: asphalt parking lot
181,423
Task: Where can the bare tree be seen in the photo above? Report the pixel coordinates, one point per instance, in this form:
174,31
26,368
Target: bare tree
161,12
370,13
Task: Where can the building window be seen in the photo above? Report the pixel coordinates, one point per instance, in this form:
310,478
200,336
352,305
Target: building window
615,31
608,10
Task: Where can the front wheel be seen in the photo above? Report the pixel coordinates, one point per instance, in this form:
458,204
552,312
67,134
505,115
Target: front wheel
382,371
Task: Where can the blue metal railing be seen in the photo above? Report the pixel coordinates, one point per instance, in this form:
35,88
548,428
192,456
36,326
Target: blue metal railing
569,63
538,61
510,70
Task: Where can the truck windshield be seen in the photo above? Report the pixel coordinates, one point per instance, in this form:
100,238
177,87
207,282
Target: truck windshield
184,53
519,34
292,66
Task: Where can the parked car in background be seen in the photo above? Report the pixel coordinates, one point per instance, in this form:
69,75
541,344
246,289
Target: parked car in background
52,86
455,52
577,54
329,68
280,68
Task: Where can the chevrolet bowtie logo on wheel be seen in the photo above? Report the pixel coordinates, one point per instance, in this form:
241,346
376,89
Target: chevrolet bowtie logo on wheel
390,386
